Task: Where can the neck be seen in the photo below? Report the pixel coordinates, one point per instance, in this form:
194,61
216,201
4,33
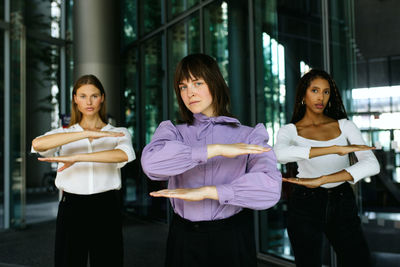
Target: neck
91,122
314,118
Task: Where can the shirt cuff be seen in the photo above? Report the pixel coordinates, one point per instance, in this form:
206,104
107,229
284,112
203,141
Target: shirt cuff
129,153
225,194
199,154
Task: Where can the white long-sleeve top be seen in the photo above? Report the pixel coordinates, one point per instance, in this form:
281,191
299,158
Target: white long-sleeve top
290,147
86,178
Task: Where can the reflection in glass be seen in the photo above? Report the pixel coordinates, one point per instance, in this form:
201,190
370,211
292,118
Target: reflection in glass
1,126
150,15
131,85
216,34
183,39
152,89
175,7
130,21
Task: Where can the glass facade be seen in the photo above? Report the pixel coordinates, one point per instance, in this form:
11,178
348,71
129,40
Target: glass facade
32,89
262,48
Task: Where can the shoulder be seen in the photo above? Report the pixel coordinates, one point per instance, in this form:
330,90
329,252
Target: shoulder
256,134
347,126
288,129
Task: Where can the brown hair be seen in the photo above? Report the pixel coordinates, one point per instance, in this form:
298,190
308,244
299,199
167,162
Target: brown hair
76,115
202,66
334,108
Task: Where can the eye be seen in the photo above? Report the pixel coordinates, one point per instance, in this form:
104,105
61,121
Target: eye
198,83
314,90
327,92
182,87
82,96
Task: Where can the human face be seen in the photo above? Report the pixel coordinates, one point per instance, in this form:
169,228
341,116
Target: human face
317,95
88,99
196,96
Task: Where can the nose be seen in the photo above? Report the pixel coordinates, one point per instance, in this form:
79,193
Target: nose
191,90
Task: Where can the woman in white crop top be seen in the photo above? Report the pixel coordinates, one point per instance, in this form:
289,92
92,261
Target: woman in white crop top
319,139
90,155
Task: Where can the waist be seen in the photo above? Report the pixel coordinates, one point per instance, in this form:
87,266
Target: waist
112,194
322,190
243,217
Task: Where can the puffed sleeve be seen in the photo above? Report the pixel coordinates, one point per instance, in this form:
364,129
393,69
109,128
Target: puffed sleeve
124,143
260,187
284,148
50,152
367,164
166,155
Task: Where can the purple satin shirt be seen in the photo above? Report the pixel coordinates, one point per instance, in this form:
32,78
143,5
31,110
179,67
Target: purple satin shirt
179,154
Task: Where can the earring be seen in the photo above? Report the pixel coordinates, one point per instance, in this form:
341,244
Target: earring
329,104
302,102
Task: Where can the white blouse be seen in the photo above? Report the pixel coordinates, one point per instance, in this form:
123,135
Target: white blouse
87,178
290,147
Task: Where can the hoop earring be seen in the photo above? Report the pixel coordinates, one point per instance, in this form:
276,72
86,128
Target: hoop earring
302,102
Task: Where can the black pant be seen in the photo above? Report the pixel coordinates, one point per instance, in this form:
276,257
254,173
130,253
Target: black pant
89,226
228,242
333,212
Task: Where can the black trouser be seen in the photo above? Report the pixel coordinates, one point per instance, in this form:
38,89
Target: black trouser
89,226
228,242
333,212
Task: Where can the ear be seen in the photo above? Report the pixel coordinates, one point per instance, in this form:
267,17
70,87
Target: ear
75,98
102,98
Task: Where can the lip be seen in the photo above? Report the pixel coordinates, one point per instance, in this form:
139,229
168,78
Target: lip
319,106
89,109
194,102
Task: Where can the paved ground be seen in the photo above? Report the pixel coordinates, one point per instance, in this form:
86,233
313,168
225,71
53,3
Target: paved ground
144,244
33,247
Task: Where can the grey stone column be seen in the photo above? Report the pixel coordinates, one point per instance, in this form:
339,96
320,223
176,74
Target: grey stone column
96,51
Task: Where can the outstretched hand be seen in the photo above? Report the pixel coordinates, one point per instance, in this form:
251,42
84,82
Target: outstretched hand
67,161
234,150
344,150
307,182
188,194
100,134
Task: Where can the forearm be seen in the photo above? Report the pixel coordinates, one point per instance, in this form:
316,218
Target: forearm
108,156
340,176
212,151
321,151
47,142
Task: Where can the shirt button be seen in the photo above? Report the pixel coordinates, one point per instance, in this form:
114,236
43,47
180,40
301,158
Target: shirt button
226,201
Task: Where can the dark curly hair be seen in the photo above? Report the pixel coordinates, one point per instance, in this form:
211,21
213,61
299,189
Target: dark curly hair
334,109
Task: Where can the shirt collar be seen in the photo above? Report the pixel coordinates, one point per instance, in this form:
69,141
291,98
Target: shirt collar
204,123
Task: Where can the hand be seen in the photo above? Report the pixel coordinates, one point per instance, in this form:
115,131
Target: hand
344,150
234,150
100,134
188,194
307,182
67,160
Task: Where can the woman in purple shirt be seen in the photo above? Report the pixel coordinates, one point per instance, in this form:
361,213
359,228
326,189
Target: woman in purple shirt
216,169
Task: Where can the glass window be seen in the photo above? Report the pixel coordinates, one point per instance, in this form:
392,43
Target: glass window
150,15
288,42
176,7
152,89
130,95
1,126
216,34
152,77
44,17
130,21
183,39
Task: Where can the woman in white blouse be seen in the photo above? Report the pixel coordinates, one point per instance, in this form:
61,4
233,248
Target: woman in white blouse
90,155
319,139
